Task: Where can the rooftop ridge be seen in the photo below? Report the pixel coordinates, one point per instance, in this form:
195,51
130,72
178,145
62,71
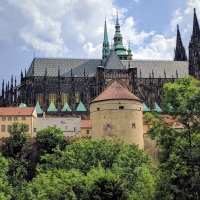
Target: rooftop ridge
58,58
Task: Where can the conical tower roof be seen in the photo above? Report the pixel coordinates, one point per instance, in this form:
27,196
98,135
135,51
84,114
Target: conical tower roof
115,91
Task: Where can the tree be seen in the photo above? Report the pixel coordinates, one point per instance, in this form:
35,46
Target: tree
47,139
115,158
5,188
180,150
18,152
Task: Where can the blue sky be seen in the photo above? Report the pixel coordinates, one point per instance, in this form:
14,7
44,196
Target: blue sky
74,29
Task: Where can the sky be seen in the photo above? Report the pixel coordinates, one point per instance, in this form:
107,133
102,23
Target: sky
74,29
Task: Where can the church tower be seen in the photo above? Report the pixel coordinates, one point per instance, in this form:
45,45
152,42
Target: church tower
194,49
106,45
118,44
179,52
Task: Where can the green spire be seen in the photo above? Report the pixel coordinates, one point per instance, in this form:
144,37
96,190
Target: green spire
145,108
81,107
118,40
38,109
66,107
52,108
129,50
106,45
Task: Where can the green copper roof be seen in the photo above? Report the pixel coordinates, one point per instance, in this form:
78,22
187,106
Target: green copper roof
52,108
157,108
38,108
21,105
145,108
81,107
66,107
105,39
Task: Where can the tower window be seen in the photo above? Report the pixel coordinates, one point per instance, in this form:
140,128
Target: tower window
133,125
98,109
121,107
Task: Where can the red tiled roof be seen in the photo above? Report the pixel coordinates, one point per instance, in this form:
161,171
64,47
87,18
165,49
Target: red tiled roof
86,124
115,91
16,111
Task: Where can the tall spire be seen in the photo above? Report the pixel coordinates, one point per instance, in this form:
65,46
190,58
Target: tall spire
179,52
118,42
106,45
196,31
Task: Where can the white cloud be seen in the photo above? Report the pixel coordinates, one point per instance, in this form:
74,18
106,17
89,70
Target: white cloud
177,18
159,48
92,51
81,38
131,34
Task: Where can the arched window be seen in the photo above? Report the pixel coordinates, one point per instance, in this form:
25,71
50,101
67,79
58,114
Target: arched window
65,98
39,98
77,97
52,98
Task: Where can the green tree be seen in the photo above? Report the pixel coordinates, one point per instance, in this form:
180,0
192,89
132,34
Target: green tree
48,139
120,159
105,185
19,154
180,150
5,188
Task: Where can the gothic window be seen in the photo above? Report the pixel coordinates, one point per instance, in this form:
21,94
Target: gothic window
65,98
52,98
39,98
77,97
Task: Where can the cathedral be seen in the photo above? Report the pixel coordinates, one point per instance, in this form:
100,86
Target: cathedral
64,85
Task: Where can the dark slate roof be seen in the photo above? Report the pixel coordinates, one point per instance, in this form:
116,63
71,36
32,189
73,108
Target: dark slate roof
113,61
65,65
158,67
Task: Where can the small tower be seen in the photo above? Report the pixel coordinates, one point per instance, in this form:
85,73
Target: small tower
179,52
106,45
117,114
194,49
118,43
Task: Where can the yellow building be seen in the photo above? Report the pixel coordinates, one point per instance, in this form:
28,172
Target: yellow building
117,114
10,115
86,128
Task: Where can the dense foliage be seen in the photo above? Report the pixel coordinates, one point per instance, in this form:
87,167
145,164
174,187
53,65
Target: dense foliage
82,170
180,149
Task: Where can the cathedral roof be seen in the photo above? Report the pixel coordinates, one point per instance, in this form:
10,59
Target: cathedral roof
115,91
39,65
81,107
113,61
159,67
146,67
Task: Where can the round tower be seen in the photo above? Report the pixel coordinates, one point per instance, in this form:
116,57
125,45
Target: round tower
117,114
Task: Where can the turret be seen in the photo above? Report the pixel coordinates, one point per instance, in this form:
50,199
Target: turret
179,52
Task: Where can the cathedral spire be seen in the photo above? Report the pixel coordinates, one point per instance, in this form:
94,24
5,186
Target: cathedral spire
196,31
179,52
120,50
106,45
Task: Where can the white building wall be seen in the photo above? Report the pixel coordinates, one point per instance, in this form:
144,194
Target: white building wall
69,126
